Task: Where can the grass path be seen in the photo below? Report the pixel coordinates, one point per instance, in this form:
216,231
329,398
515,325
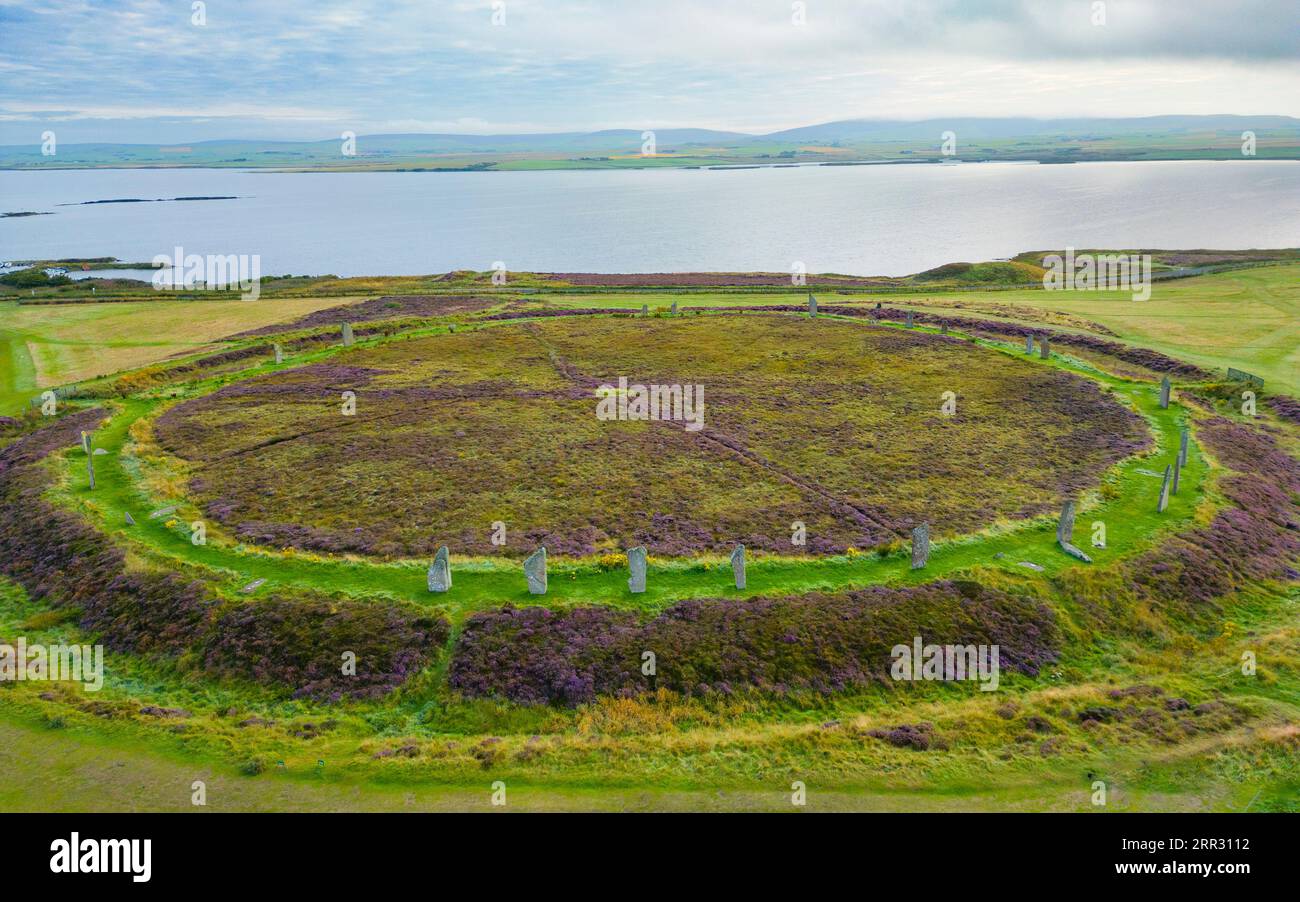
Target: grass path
1129,514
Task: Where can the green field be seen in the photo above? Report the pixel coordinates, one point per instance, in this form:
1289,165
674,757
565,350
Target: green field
46,346
1143,690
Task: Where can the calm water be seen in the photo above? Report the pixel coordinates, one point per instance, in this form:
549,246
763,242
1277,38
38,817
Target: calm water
865,220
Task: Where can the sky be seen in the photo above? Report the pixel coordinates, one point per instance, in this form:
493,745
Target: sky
176,71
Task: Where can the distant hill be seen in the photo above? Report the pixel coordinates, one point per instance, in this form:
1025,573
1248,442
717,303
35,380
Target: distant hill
974,129
847,141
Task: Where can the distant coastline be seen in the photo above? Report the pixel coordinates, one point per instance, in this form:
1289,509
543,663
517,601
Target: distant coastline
849,142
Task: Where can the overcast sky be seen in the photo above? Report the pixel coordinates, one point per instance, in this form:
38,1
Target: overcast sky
141,71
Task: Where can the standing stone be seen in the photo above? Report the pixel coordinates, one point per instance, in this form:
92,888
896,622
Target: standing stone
1178,472
943,328
1044,349
440,571
738,566
279,353
1164,393
535,570
812,305
920,546
1065,526
645,309
90,458
636,565
130,521
348,338
910,319
1164,490
1183,442
1236,375
1029,343
674,308
1065,533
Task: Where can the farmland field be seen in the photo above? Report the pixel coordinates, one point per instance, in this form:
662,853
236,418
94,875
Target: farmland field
46,346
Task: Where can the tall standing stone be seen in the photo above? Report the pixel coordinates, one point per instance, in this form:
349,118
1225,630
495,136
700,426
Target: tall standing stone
440,571
943,328
348,338
812,305
130,521
911,319
920,546
1164,393
645,309
1029,343
1178,472
279,353
90,458
674,308
1044,349
535,570
1065,533
1065,526
738,566
636,565
1164,490
1183,442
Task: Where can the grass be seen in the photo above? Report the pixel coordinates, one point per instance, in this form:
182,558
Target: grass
42,346
78,771
77,751
1126,506
1244,318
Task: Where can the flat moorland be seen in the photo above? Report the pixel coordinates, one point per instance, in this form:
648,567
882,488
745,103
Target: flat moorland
836,425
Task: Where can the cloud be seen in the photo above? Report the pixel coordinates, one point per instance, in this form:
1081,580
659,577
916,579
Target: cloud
372,65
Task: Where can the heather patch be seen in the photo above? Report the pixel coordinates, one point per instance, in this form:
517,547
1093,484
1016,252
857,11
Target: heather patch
811,421
1152,361
1257,537
819,642
290,642
384,308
